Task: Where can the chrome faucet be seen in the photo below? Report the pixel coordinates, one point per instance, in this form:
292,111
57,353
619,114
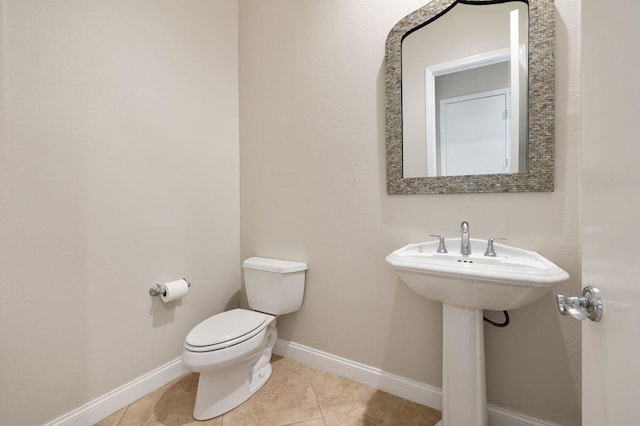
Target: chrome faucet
465,244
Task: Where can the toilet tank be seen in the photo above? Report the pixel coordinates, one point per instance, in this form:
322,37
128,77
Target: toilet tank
274,286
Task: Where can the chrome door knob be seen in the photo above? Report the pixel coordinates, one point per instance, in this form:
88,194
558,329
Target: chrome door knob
590,305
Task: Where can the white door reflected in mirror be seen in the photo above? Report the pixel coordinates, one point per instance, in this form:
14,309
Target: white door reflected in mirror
474,135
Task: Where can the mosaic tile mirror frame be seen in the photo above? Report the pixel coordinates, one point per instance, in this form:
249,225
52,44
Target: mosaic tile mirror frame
539,173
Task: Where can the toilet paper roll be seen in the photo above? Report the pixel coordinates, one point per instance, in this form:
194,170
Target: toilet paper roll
174,290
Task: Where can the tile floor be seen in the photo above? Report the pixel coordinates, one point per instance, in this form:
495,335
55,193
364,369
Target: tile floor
295,395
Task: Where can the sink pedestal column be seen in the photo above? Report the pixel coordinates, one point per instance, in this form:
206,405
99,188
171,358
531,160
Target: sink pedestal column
464,395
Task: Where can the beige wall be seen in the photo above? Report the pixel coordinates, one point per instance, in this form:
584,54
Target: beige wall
313,189
118,168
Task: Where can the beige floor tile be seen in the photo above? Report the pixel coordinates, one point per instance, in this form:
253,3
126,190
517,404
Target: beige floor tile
287,398
350,418
286,371
113,419
432,416
382,409
337,395
315,422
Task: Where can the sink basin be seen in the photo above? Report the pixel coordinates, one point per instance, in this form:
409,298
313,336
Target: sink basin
512,279
466,285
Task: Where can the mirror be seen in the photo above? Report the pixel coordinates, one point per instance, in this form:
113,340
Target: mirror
470,98
461,96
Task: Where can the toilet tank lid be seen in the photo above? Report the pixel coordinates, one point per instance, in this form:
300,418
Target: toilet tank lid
273,265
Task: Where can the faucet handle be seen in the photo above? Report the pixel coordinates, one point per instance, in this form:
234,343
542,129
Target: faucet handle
441,247
490,251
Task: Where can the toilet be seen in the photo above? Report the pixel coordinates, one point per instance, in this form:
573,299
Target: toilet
232,350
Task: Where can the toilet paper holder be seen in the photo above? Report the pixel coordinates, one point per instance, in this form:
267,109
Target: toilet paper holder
156,288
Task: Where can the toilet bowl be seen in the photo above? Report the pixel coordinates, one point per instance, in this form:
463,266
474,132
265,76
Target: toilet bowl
232,350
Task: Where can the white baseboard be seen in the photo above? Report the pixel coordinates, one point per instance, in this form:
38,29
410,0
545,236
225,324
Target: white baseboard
396,385
101,407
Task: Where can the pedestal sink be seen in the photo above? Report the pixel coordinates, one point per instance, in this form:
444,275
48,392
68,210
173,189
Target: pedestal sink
466,285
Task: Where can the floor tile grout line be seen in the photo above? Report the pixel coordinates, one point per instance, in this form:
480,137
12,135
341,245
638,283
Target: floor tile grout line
315,395
123,414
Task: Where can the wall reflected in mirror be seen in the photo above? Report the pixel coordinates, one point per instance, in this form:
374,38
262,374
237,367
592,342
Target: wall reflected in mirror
464,92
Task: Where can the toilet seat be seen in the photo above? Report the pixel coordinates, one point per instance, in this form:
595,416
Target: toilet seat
226,329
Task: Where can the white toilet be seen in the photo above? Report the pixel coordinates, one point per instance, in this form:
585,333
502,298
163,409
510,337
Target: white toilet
232,350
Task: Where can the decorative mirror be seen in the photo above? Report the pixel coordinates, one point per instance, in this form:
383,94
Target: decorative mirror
470,100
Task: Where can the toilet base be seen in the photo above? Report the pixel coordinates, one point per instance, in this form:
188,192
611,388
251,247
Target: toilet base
222,391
